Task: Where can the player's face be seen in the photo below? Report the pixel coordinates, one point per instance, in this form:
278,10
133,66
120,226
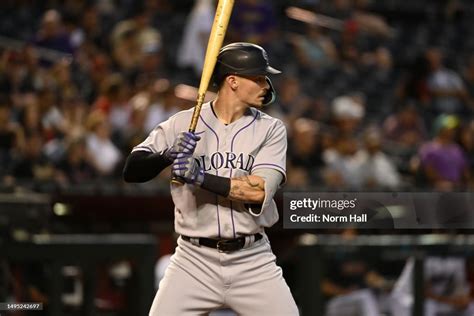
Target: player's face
252,90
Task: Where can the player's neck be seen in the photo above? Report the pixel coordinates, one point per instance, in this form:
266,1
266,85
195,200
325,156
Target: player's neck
228,110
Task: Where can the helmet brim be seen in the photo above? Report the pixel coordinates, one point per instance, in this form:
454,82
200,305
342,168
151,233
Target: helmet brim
272,71
268,70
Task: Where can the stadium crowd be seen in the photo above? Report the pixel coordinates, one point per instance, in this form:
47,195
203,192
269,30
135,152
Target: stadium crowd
380,98
376,95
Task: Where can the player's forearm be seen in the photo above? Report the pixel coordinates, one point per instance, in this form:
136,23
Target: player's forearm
247,189
142,166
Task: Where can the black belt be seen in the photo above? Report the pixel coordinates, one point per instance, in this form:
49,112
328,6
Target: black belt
223,245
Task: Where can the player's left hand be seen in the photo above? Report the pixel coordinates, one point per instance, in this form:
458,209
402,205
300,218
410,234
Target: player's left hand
186,143
187,168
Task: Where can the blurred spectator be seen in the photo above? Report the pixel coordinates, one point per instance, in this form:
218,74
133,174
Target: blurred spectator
151,67
378,167
29,115
52,34
17,71
113,93
75,112
136,132
378,86
127,51
413,85
466,140
198,26
91,26
292,103
446,283
11,136
93,69
468,76
297,177
163,104
445,85
113,103
381,61
253,21
62,79
314,50
442,161
304,149
133,38
343,164
105,156
52,119
349,283
73,28
349,165
31,163
348,112
446,288
75,167
404,129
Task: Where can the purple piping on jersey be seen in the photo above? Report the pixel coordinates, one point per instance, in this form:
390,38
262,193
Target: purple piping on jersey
217,173
233,138
268,164
232,150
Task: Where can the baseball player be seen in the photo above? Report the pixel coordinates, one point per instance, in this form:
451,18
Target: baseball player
231,168
446,288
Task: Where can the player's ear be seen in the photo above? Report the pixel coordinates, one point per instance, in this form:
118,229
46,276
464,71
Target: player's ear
232,81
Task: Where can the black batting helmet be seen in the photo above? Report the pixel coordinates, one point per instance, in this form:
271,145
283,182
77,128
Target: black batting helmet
245,59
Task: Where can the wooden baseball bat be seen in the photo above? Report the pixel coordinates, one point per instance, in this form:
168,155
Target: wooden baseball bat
219,28
216,38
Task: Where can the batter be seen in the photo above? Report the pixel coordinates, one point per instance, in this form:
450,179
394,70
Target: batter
231,168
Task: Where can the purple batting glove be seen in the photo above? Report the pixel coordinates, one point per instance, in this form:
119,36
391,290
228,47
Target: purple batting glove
187,168
185,143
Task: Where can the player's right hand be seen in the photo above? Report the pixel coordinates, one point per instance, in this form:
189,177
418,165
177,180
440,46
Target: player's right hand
185,143
187,168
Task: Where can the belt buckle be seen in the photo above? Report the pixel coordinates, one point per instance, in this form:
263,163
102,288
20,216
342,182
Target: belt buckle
225,246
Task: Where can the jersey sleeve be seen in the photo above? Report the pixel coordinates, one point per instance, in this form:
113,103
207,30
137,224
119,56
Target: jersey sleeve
272,178
159,139
272,154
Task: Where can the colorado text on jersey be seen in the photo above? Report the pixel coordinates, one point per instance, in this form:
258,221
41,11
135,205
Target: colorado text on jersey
227,160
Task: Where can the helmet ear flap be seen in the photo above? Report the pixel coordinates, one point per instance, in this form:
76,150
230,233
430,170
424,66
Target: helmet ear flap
270,97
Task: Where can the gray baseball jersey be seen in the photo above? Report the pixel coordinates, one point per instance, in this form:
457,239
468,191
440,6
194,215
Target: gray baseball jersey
254,141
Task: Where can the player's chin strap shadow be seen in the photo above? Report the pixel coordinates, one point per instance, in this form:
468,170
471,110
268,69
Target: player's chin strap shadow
270,97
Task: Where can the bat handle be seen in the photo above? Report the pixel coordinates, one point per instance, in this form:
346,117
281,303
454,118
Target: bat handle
177,181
